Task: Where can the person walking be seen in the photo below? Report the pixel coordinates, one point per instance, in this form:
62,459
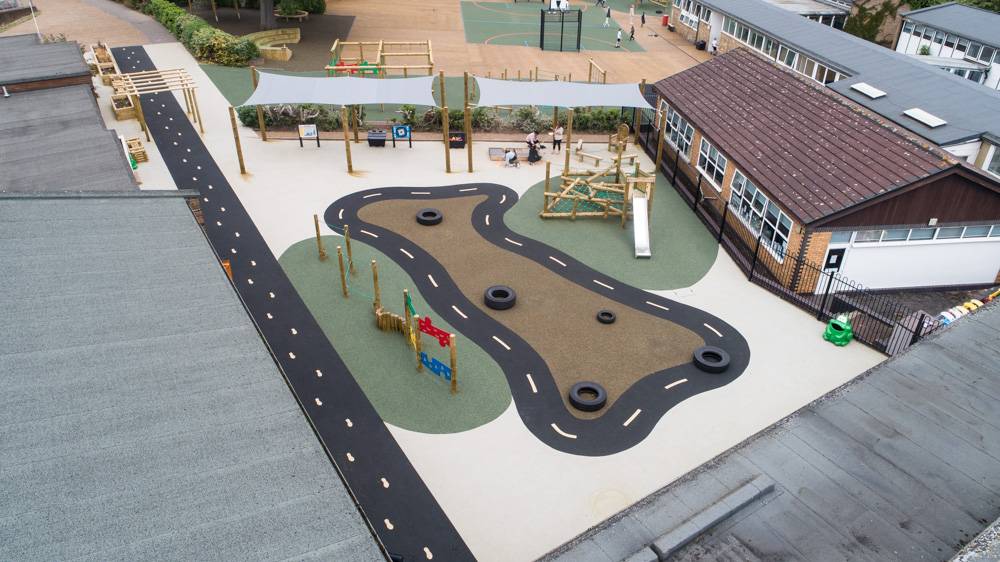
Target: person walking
642,20
631,34
618,43
607,19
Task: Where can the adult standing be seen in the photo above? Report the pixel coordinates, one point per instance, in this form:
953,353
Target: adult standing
607,18
557,135
631,14
618,43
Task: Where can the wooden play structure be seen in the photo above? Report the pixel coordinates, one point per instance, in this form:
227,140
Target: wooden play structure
273,43
381,59
410,324
137,84
600,193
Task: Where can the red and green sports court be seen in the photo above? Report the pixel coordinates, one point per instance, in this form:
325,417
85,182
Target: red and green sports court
519,23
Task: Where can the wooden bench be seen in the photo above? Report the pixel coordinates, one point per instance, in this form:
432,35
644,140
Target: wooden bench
579,152
613,142
266,39
302,15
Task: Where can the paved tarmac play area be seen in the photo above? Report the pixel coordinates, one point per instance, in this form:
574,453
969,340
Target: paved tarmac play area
510,23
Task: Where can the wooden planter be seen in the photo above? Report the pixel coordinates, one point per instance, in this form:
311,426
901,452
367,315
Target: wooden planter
123,113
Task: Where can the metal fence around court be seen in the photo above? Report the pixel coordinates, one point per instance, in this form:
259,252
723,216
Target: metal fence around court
560,31
877,319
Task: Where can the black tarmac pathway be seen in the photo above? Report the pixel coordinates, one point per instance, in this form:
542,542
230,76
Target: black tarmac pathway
634,414
392,496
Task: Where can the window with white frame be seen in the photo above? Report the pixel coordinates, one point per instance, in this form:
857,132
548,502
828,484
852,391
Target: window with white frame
908,27
770,47
760,214
712,163
679,133
993,164
926,235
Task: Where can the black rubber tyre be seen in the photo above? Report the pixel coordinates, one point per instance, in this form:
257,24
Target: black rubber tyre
606,317
429,217
711,359
500,297
588,404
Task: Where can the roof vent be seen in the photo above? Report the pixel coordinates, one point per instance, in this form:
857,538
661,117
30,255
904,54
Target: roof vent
926,118
868,90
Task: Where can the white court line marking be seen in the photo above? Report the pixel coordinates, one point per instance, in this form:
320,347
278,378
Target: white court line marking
500,341
604,284
369,234
468,189
487,220
714,330
371,195
514,243
632,417
459,312
673,384
657,305
341,215
420,193
561,263
502,199
408,254
433,282
563,433
532,383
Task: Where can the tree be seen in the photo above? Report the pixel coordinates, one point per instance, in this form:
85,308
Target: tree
267,19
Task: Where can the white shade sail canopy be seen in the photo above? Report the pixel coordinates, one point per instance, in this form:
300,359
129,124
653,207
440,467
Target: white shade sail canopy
559,94
279,88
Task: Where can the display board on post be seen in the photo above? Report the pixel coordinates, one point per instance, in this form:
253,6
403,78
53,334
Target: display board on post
401,132
308,132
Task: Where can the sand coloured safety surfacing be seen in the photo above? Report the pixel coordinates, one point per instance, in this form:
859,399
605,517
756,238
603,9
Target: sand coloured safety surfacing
557,317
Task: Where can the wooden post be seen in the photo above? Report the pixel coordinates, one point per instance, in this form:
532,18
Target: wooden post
350,256
545,196
142,117
354,123
443,102
466,104
378,301
625,205
638,110
555,118
659,145
260,110
416,341
236,135
197,113
347,139
576,200
454,365
569,138
343,278
319,240
468,134
444,127
406,316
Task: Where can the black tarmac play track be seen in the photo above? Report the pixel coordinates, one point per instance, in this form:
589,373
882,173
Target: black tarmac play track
539,402
392,496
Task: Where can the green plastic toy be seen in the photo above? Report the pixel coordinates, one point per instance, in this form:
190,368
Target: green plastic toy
839,331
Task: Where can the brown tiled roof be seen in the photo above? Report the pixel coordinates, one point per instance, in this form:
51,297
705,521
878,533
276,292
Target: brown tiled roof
804,144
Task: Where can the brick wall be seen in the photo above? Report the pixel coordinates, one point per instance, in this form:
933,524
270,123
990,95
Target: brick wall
814,252
728,43
682,29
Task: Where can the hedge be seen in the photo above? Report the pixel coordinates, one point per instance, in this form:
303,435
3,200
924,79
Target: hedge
206,42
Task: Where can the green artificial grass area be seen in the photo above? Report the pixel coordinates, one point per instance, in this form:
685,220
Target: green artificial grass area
381,362
683,250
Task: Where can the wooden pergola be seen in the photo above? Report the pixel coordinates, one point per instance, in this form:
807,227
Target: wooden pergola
137,84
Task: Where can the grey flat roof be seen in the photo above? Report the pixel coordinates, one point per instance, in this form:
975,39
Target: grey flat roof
948,62
23,59
966,21
55,140
142,417
900,464
810,7
970,109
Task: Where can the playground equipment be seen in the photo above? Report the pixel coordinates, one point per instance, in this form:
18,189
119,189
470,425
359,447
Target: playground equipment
389,322
603,193
382,60
640,224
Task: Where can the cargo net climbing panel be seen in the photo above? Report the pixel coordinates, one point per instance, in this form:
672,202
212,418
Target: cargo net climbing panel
560,30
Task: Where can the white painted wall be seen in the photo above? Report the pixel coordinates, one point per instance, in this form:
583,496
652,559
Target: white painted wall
962,262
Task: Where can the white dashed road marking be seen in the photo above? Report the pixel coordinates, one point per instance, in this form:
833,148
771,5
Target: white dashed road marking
369,234
514,243
408,254
714,330
657,305
371,195
487,220
673,384
468,189
318,402
532,383
459,312
632,417
500,341
563,433
433,282
557,261
604,284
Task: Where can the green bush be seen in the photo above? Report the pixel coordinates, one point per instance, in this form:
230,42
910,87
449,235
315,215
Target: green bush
313,6
288,8
288,115
207,43
483,120
598,120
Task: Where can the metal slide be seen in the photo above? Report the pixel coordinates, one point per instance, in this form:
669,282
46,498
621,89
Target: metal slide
640,223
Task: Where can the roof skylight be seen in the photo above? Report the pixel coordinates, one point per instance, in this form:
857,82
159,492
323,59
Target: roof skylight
922,116
868,90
